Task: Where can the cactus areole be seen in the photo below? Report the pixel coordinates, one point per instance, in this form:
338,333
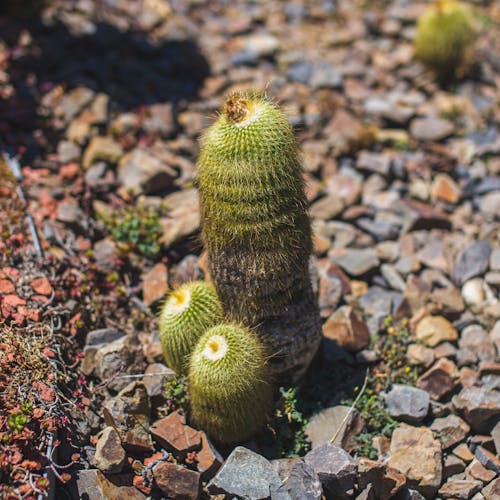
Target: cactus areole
256,229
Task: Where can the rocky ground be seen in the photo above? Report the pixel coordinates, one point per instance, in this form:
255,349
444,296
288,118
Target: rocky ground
102,104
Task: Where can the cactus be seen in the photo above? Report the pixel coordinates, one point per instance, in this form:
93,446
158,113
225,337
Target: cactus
256,229
186,314
229,388
444,38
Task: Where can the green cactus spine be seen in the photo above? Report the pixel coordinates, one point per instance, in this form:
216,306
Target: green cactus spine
444,38
186,314
256,229
229,388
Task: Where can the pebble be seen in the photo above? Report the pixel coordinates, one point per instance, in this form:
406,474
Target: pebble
385,481
460,490
417,354
492,490
327,207
347,329
407,403
177,482
208,459
432,330
155,377
444,188
472,261
417,454
248,475
431,128
155,284
335,468
440,379
109,455
450,430
480,407
356,262
303,483
340,421
92,483
101,148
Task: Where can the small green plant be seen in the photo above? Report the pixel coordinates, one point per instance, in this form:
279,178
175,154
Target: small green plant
229,384
444,38
256,229
391,342
176,394
188,312
137,229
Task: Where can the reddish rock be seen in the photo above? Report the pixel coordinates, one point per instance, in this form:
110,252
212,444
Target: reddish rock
492,491
13,301
41,286
476,470
175,435
7,287
345,327
440,379
385,481
177,482
444,188
460,489
155,284
208,458
462,451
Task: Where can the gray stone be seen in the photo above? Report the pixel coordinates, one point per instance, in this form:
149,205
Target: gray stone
247,475
327,207
488,459
68,151
335,468
104,254
472,261
325,424
160,120
155,377
380,230
495,259
379,163
490,204
495,434
103,336
141,172
129,413
71,214
475,339
109,455
357,262
92,484
431,128
392,277
303,483
324,75
480,407
450,430
407,403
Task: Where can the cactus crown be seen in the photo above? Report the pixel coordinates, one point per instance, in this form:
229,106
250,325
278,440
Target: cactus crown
229,384
445,33
186,314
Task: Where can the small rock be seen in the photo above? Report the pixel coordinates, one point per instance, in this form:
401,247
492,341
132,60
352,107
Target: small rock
480,407
324,75
473,292
432,330
462,451
155,284
173,434
416,454
68,151
109,455
141,172
386,481
41,286
379,163
129,413
208,459
356,262
335,468
460,490
248,475
155,377
475,338
261,44
101,148
392,277
417,354
160,120
349,331
330,421
326,208
495,260
177,482
445,189
105,254
488,459
450,430
440,379
492,491
92,484
495,434
73,102
71,214
407,403
452,465
303,483
431,128
472,261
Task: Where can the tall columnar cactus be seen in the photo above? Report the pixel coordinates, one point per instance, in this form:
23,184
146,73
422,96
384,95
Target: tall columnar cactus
256,229
229,386
185,316
444,38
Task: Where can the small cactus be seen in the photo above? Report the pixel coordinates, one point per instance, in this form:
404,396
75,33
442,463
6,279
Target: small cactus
186,314
229,388
256,229
444,38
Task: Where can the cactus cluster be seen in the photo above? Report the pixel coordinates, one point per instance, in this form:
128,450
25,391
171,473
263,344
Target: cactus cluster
229,386
185,316
444,38
256,229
